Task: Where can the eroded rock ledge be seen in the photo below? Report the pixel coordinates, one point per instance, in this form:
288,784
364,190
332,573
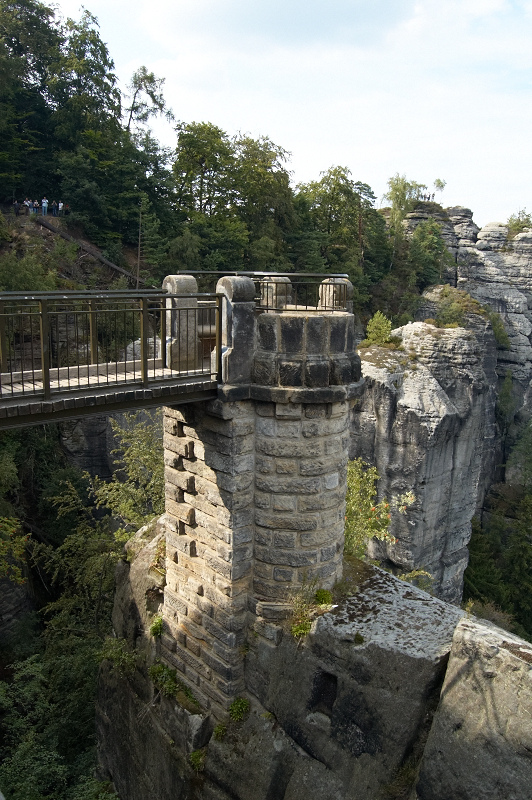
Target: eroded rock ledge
426,421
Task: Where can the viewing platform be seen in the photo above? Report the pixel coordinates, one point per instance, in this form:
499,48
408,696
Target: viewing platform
70,354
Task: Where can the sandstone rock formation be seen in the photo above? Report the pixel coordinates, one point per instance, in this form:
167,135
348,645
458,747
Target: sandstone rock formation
480,743
426,421
340,714
498,272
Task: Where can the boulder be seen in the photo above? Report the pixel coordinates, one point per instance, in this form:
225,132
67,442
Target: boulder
480,743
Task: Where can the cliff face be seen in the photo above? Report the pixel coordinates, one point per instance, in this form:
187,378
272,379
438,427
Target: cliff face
498,272
426,421
356,709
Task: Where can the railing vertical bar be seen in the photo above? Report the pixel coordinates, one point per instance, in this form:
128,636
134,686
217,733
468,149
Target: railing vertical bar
219,299
163,333
93,332
144,341
3,339
22,352
45,346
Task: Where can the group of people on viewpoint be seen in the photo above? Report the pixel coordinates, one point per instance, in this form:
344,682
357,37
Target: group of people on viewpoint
58,209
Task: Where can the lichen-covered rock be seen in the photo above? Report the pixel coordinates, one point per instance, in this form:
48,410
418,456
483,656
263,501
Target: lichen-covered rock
426,421
464,227
139,585
480,743
331,717
497,271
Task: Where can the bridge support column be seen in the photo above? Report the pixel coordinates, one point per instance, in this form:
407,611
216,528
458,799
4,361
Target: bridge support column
255,487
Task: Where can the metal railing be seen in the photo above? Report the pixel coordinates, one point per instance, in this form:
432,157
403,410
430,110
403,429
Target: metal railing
289,291
58,342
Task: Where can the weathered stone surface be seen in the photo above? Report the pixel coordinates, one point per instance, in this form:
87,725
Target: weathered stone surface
480,743
139,588
426,421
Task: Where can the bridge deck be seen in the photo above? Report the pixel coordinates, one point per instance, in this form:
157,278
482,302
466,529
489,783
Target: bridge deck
98,389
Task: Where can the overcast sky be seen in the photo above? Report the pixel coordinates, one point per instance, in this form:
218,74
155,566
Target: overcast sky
429,89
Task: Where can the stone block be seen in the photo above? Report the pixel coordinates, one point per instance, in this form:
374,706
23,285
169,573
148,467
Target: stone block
263,536
265,371
264,465
316,373
181,511
266,426
317,334
283,502
284,539
267,330
265,409
184,480
179,445
338,333
262,500
284,485
331,481
341,371
291,338
290,448
286,466
291,372
228,638
225,671
289,522
270,631
282,574
317,411
288,410
286,558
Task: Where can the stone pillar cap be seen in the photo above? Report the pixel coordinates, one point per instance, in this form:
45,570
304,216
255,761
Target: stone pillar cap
236,288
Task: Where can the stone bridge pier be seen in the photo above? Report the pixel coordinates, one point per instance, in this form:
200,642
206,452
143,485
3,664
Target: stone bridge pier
255,485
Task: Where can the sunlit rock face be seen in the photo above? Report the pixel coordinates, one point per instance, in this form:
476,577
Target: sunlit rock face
426,421
497,271
480,743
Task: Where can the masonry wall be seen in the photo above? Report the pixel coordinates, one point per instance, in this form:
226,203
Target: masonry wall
255,488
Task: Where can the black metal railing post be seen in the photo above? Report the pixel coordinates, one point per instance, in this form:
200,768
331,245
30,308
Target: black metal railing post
3,340
163,333
219,301
93,332
44,324
144,327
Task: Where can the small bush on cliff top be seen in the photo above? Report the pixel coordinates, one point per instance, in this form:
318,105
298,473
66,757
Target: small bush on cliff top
307,604
379,331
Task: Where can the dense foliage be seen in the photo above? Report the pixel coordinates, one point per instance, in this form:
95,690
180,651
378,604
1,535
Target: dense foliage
50,665
500,564
217,202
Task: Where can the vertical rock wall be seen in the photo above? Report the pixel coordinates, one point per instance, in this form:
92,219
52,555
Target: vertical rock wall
426,421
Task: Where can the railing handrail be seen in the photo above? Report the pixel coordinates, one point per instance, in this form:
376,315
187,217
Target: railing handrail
259,274
68,295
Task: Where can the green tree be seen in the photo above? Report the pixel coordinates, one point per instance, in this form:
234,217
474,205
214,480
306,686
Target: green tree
379,330
351,233
428,254
364,518
146,99
403,196
517,223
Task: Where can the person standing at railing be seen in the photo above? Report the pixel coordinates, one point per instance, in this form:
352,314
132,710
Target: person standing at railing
44,204
54,208
60,208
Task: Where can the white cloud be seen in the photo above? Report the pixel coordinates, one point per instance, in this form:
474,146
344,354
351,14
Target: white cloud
434,88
